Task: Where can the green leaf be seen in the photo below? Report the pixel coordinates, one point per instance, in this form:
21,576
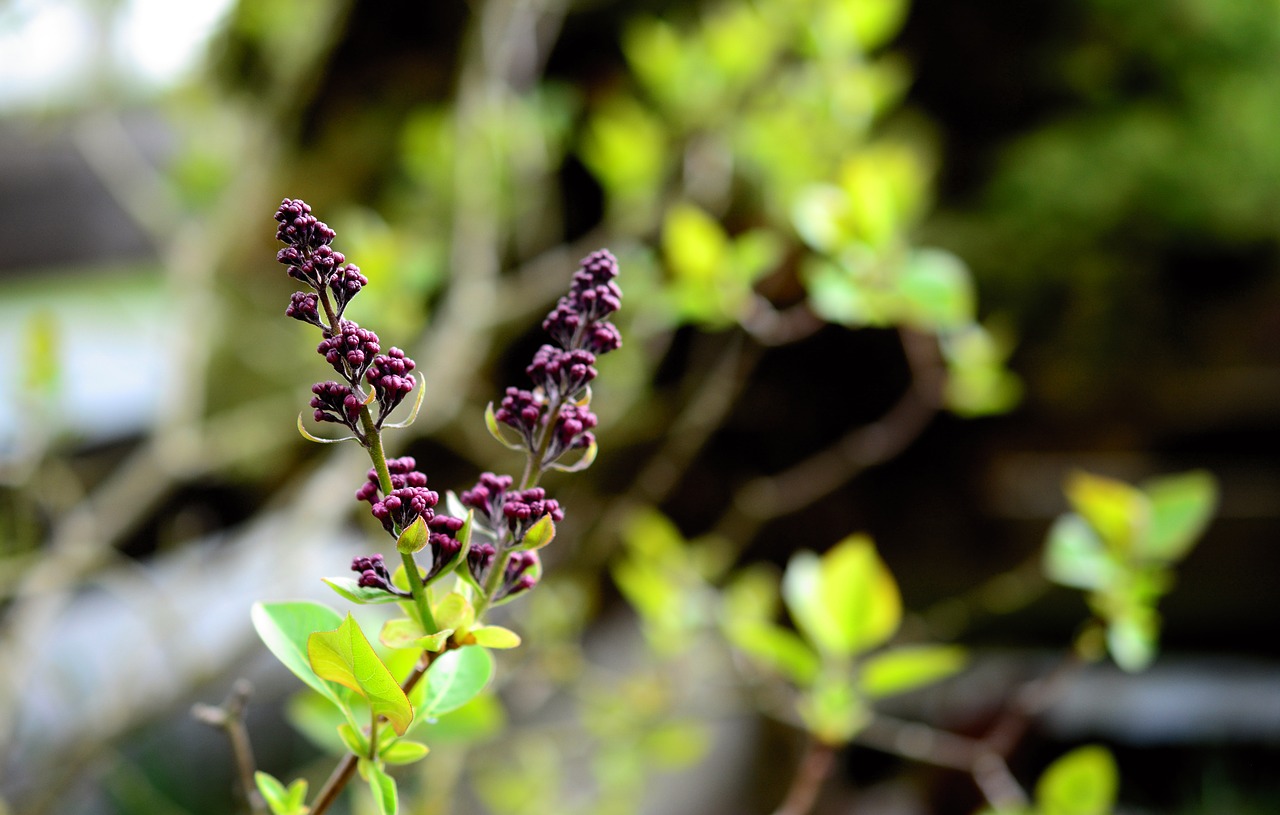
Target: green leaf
495,636
693,243
456,612
354,740
346,657
273,792
351,589
1118,512
404,751
1074,555
832,710
540,534
435,642
455,678
1181,506
751,595
847,601
401,632
776,648
1132,637
937,290
904,669
382,786
495,430
413,538
1083,782
284,629
678,744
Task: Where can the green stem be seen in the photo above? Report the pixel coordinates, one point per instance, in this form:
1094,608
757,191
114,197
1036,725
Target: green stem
374,437
373,738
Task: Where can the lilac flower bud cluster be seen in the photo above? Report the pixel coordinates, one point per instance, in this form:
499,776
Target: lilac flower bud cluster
374,574
561,373
520,574
502,510
353,352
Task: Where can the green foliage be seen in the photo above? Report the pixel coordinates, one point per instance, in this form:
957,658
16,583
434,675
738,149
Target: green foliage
456,677
279,800
1120,544
345,656
285,629
1083,782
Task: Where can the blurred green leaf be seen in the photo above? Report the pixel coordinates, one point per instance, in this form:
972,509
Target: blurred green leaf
1075,556
1083,782
345,656
455,678
978,383
281,801
832,710
847,601
495,636
1118,512
404,751
777,648
455,611
383,787
285,628
675,745
1132,638
353,740
907,668
751,595
693,243
937,290
1181,506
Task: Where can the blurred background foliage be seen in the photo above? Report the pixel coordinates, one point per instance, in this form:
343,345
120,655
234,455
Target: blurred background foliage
894,268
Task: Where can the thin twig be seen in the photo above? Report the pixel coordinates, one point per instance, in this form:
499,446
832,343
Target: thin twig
808,780
229,717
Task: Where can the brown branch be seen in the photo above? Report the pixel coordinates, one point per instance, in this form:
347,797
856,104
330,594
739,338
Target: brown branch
229,717
767,497
807,783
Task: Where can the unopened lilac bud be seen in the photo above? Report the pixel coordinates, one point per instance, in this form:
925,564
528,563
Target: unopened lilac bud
480,560
522,410
305,306
525,508
404,506
603,337
298,227
443,544
375,575
577,321
335,402
391,381
561,373
346,284
402,474
521,575
350,351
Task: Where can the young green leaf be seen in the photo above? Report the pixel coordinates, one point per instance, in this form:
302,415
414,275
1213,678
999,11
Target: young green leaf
346,657
382,786
495,636
1118,512
456,612
1083,782
404,751
273,792
454,679
401,632
413,537
354,740
284,628
847,601
776,648
495,430
540,534
903,669
1181,506
1075,556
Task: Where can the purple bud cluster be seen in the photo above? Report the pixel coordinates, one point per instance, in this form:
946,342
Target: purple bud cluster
520,574
443,544
404,506
502,509
354,352
561,373
374,574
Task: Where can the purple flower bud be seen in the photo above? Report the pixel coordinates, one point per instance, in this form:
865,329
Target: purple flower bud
304,306
522,410
350,351
593,296
480,560
298,227
403,475
561,374
524,509
443,544
391,381
346,284
374,575
335,402
521,575
404,506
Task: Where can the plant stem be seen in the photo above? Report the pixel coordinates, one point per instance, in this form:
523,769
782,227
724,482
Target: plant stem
814,769
341,775
230,718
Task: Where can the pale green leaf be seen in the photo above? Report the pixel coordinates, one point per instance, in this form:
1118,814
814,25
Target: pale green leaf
455,678
413,538
346,657
1074,555
401,632
1181,506
776,648
456,612
540,534
1117,511
937,290
351,589
1083,782
907,668
383,788
284,628
404,751
495,636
